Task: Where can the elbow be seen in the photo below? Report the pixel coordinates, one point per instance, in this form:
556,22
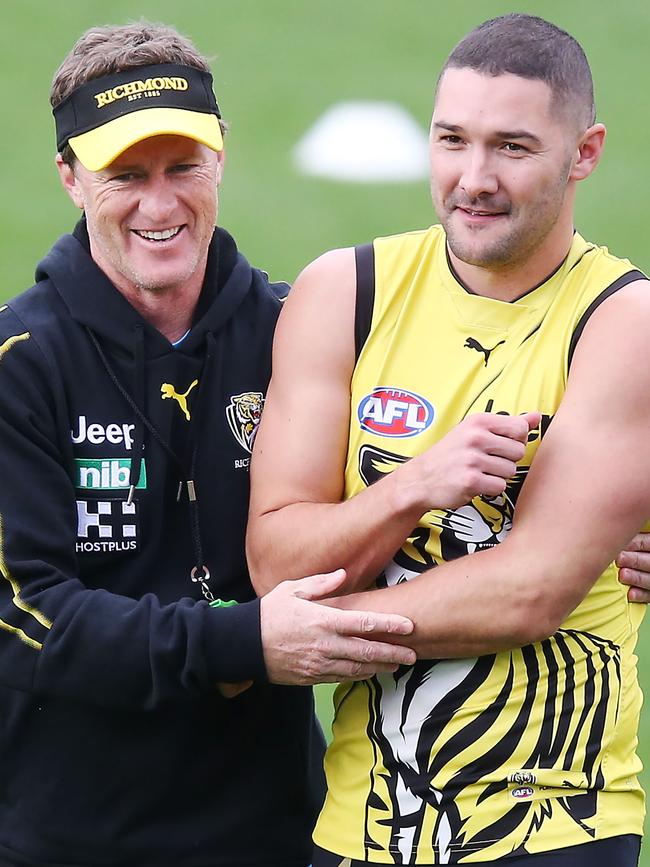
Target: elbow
262,579
540,613
545,586
258,566
534,626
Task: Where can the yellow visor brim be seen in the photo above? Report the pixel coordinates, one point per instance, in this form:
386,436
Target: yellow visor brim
99,147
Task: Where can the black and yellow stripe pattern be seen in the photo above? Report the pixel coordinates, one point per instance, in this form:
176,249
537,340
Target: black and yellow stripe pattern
26,623
469,760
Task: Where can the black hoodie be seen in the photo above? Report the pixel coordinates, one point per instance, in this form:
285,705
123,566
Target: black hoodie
116,747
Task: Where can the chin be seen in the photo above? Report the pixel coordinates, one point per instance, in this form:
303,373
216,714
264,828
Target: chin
494,254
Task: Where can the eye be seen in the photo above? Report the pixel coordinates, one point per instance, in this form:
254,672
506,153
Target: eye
451,139
182,168
124,177
512,147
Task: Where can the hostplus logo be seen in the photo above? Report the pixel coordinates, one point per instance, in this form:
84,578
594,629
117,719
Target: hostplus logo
106,526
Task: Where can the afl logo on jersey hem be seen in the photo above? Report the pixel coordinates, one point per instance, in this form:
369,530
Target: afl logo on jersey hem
394,412
523,793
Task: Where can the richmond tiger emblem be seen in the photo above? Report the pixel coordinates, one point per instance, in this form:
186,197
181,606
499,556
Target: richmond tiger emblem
243,414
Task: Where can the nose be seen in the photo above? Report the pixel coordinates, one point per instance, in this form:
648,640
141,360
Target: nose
158,200
478,176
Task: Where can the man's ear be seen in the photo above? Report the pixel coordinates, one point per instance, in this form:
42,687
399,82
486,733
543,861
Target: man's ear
70,182
221,160
589,151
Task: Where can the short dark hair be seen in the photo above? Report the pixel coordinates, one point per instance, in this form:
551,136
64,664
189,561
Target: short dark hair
530,47
119,47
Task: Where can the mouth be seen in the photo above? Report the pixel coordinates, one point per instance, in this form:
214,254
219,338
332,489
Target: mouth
480,214
158,236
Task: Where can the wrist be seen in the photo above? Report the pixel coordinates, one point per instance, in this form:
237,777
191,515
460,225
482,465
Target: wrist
407,493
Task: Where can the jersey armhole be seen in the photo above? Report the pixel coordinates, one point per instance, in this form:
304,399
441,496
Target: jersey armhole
622,281
364,256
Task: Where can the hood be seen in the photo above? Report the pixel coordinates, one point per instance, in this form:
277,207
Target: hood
112,323
94,302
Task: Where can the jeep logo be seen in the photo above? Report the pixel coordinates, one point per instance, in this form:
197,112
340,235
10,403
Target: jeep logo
97,434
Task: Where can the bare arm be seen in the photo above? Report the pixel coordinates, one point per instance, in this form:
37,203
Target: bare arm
588,491
298,523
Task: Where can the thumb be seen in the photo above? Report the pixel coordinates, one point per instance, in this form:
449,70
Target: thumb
533,419
318,586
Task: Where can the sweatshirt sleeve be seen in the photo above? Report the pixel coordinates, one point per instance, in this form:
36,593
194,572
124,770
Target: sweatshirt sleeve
58,637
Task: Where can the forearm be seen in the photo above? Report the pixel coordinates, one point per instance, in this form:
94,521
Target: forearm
522,590
476,605
359,535
96,647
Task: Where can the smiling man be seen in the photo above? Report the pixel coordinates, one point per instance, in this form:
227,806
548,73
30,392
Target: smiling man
132,377
512,740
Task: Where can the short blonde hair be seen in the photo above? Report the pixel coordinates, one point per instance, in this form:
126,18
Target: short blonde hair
116,48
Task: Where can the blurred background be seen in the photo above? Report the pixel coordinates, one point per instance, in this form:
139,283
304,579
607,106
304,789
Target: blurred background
279,65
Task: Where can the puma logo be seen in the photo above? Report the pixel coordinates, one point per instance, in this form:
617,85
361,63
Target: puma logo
168,391
471,343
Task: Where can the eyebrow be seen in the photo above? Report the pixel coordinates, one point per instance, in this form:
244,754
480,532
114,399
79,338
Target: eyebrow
502,134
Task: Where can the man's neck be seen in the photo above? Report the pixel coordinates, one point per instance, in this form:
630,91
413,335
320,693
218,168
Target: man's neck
170,311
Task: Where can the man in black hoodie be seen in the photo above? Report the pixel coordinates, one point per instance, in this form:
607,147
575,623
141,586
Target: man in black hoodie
132,378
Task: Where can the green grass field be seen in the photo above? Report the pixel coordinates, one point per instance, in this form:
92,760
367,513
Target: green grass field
278,65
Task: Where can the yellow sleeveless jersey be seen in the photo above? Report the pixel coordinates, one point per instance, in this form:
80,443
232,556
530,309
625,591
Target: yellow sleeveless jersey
470,760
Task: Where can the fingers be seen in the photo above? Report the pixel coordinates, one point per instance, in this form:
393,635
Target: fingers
492,465
343,669
634,568
636,593
641,542
318,586
533,419
350,622
503,436
514,427
231,690
369,653
637,562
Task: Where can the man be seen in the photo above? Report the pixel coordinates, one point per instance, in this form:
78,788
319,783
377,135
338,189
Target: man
132,376
512,739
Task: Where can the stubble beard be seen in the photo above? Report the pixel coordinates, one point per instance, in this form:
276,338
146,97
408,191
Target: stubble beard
524,233
145,284
140,282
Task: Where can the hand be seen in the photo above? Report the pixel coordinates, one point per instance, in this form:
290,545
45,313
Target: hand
634,568
306,643
476,457
231,690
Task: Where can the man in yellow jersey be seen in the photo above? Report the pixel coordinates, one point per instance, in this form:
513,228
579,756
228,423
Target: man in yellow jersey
512,739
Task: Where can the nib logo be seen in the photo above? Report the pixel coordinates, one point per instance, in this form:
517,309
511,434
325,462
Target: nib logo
106,474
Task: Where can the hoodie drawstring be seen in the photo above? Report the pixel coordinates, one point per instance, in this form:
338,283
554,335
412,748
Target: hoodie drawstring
140,400
199,574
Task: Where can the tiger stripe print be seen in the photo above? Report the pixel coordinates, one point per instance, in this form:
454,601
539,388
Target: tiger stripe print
518,752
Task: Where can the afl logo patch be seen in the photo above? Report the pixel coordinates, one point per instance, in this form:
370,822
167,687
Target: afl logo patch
522,793
394,412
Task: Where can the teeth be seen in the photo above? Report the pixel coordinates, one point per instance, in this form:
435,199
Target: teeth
158,236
